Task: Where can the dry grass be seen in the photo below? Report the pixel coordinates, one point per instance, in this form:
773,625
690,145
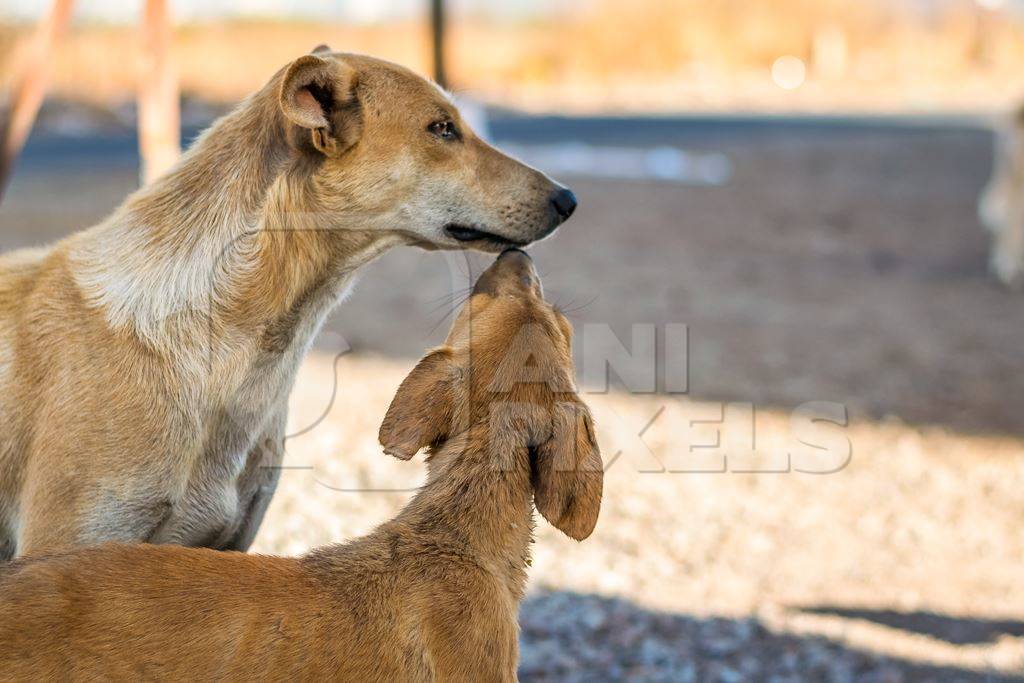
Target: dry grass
660,54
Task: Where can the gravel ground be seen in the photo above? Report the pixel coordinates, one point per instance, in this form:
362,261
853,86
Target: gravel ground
570,638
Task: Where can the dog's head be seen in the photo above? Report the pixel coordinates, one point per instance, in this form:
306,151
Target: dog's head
505,377
388,150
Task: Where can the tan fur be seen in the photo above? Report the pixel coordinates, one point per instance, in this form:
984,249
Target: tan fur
145,363
430,596
1001,208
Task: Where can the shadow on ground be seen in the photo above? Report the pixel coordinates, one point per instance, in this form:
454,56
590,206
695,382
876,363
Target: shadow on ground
569,637
955,630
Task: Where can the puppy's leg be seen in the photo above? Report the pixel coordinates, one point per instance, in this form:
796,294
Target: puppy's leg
63,507
43,536
259,481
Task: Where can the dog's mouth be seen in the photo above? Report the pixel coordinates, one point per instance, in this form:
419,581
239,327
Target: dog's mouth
466,233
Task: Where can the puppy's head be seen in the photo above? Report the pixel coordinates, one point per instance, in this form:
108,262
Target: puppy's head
388,150
505,377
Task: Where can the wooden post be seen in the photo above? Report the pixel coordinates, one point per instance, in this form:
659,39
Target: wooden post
159,114
437,37
30,87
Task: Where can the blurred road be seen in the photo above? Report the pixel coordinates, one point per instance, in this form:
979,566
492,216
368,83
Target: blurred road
842,262
692,132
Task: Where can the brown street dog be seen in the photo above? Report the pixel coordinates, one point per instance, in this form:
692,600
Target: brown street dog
431,595
146,363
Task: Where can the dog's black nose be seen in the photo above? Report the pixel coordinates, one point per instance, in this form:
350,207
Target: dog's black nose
515,251
564,202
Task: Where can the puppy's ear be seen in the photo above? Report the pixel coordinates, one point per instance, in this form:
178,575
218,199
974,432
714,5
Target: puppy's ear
422,411
568,475
318,94
321,49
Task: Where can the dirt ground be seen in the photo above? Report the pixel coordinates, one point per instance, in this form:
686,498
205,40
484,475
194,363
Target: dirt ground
839,264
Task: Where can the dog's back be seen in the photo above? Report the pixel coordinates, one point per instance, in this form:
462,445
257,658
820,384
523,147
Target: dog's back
217,613
120,612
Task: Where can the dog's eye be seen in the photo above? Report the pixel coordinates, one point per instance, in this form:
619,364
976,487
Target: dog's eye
445,130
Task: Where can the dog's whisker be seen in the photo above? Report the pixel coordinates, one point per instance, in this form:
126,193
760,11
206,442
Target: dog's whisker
450,300
568,310
447,315
448,296
579,307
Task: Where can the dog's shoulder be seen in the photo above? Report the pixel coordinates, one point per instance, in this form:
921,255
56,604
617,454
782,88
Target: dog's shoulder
19,268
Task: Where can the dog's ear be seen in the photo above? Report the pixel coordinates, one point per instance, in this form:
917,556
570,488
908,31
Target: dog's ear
568,474
318,94
422,411
322,48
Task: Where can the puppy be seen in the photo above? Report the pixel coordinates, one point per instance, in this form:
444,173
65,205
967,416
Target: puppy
146,363
431,595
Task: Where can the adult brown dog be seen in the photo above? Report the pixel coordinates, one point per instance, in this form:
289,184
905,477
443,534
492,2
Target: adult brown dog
145,363
430,596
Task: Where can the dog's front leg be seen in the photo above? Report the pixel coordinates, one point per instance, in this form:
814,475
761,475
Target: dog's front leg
61,517
259,481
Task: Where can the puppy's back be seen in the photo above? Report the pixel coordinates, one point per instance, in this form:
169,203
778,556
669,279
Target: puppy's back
130,612
124,612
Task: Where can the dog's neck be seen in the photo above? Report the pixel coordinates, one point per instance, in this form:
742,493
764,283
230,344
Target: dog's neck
231,240
478,502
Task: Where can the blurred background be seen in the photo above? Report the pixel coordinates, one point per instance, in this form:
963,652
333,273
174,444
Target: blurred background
795,181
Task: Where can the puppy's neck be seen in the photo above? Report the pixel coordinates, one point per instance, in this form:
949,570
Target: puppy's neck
478,496
231,239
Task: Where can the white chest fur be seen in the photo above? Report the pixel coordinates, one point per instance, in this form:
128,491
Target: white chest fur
244,415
